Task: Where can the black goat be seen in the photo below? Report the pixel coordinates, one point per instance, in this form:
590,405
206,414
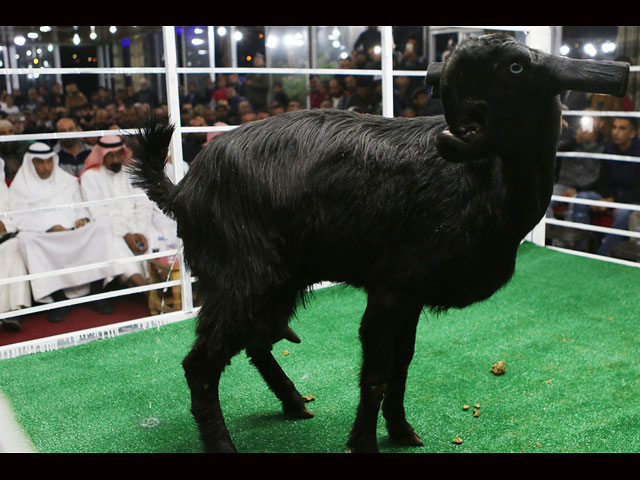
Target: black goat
423,212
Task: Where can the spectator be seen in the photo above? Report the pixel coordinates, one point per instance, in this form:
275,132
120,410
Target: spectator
14,295
423,104
74,98
577,175
11,152
72,152
276,109
57,239
209,115
294,105
220,89
234,100
336,93
278,94
194,96
402,95
7,104
317,92
130,219
363,98
350,84
192,142
33,100
56,96
222,113
146,94
618,181
256,85
367,39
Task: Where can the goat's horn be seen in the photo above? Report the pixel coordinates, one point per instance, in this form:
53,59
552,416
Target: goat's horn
595,76
434,72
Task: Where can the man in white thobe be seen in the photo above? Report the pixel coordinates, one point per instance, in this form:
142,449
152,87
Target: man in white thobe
13,296
61,238
131,219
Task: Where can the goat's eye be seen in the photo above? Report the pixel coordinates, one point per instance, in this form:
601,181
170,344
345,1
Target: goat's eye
516,68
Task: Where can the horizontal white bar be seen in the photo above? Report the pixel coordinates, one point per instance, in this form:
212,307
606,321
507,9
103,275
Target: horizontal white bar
596,257
88,266
592,228
601,156
595,203
81,71
71,206
88,298
72,339
599,113
282,70
30,137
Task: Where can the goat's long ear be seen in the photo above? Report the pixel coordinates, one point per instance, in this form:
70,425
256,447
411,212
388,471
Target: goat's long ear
595,76
434,72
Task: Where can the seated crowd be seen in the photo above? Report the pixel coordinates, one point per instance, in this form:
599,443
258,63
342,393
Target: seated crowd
598,179
73,170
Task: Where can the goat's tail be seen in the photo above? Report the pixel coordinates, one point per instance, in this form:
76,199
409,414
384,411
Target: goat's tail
150,147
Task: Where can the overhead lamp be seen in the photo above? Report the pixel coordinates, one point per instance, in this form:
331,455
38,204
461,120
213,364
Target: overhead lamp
19,40
45,28
222,31
32,35
93,35
590,50
76,39
608,46
113,29
564,50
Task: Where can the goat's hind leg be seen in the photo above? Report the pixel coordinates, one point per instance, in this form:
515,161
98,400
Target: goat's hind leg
293,405
274,317
202,371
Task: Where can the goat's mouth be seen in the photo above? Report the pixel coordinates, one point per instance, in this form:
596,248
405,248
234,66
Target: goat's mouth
462,142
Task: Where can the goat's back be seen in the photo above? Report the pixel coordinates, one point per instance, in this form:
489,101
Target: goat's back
332,195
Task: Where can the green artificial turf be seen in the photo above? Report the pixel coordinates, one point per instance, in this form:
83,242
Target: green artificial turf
566,327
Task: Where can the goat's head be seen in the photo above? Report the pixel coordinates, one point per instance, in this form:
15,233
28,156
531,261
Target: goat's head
491,82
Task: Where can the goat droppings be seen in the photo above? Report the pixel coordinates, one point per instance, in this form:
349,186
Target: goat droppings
499,368
457,441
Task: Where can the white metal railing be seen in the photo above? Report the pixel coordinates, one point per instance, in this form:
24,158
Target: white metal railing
172,73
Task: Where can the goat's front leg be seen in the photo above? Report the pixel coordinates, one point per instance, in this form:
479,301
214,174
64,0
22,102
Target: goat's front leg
400,431
387,318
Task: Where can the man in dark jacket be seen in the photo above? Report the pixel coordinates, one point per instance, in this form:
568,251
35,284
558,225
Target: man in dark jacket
619,181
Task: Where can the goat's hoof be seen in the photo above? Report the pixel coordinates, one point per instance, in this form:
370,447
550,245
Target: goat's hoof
362,445
404,435
298,412
221,447
407,439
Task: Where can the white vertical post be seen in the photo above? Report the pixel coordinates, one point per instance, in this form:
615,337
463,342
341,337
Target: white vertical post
387,71
540,38
173,103
212,51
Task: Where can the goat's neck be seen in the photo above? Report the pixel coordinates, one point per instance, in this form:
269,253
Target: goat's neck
529,172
